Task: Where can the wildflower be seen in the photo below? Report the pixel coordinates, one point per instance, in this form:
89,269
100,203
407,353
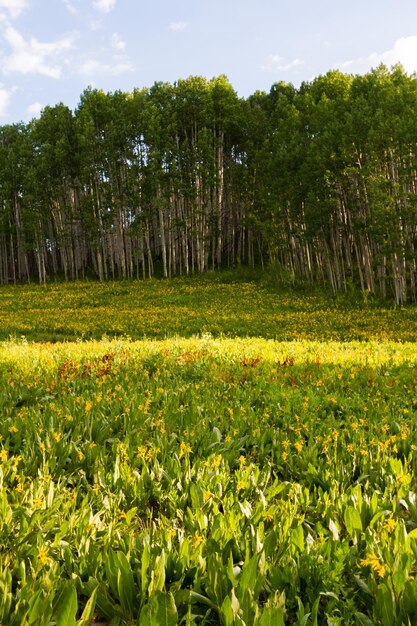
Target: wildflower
390,524
241,484
216,461
375,564
13,429
43,555
88,406
298,446
3,455
284,456
197,540
184,449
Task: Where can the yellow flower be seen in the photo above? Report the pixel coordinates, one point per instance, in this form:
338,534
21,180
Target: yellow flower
298,446
284,456
184,449
390,524
13,429
197,540
43,555
3,455
375,564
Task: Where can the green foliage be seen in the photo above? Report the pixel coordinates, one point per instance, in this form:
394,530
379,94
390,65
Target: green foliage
237,303
208,481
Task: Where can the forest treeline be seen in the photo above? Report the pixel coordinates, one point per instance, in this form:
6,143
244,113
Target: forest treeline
320,181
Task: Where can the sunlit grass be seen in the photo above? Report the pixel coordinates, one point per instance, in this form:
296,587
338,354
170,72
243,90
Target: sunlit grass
246,307
218,453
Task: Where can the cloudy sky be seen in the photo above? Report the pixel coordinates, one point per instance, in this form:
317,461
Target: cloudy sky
51,50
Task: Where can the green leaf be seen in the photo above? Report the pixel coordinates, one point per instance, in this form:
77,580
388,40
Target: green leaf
164,609
385,606
125,584
158,575
67,606
230,609
159,611
363,620
272,616
353,521
146,557
297,538
88,611
111,567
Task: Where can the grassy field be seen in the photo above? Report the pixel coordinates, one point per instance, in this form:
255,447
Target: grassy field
252,461
230,304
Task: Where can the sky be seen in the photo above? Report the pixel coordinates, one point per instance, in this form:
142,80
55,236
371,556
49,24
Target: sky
52,50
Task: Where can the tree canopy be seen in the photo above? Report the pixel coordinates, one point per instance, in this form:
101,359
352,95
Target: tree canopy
320,181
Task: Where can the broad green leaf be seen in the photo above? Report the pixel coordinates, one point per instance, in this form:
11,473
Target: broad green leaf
297,538
353,521
272,616
67,606
363,620
164,611
384,605
125,584
158,574
88,611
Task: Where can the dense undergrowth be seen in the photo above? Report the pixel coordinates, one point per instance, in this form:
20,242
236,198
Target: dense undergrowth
208,480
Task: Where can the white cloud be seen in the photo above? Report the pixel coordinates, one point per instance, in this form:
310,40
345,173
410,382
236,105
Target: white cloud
104,5
404,51
94,67
117,43
35,108
14,7
33,56
178,26
275,63
71,8
4,101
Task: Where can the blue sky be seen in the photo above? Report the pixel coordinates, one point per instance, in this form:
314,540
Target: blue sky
51,50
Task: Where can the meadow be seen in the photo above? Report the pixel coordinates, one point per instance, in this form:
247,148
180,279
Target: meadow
206,451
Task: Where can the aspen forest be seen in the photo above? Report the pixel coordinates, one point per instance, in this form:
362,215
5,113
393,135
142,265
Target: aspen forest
318,183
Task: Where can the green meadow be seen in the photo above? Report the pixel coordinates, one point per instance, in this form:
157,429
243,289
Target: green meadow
208,450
